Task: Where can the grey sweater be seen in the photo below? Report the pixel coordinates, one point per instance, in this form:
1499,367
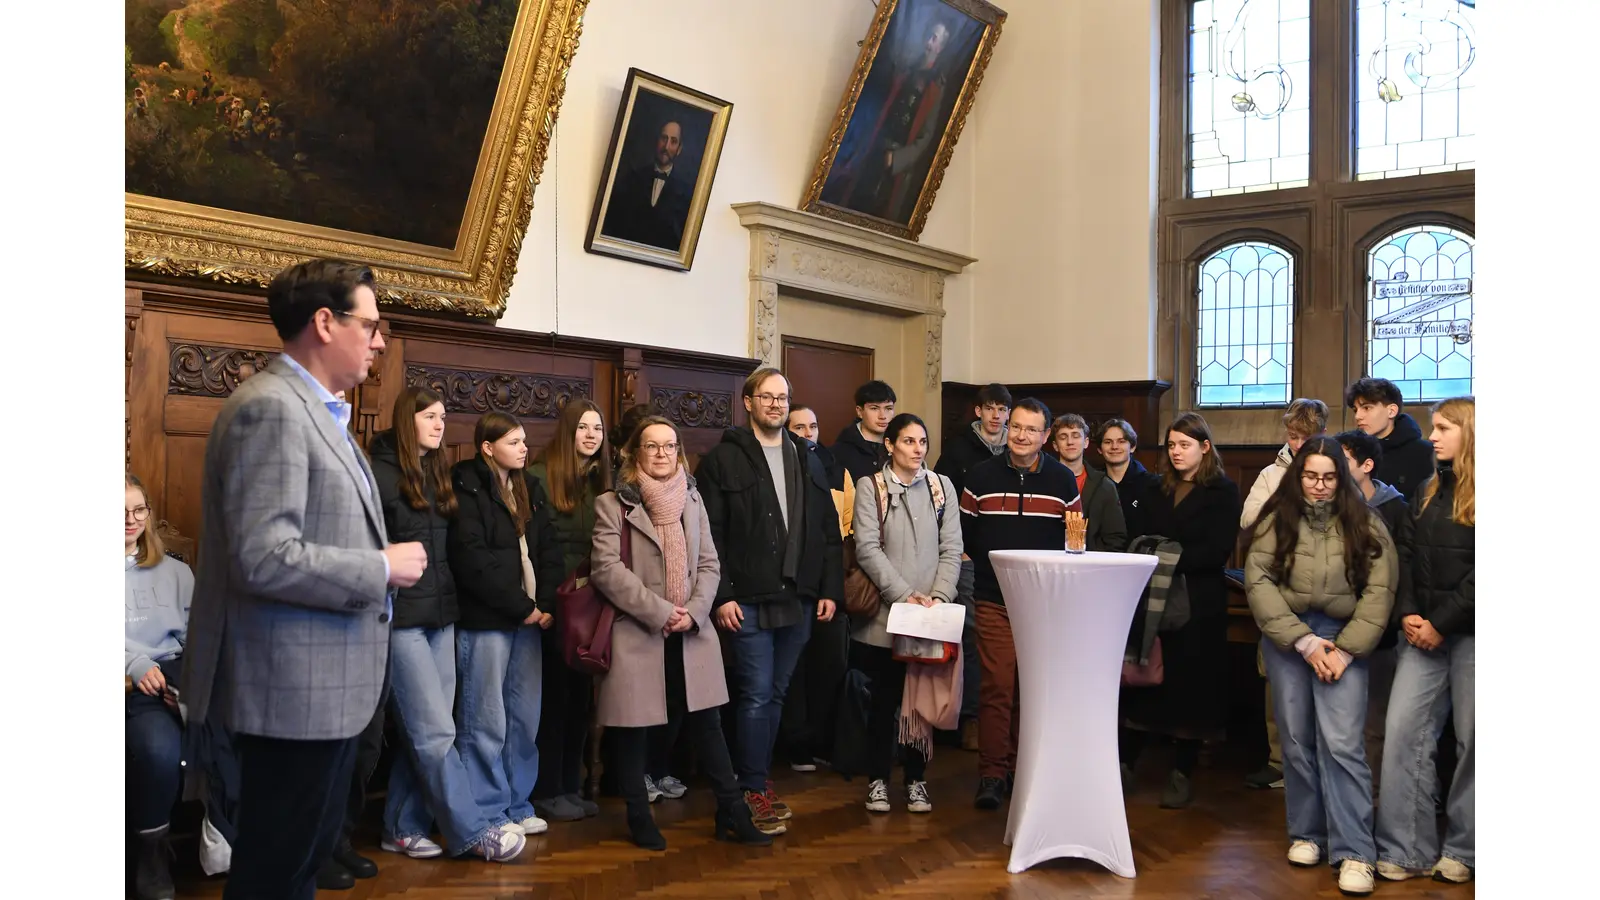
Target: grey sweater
916,556
158,614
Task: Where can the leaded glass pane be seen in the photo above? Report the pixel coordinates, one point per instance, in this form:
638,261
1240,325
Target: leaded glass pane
1415,80
1245,347
1419,312
1249,96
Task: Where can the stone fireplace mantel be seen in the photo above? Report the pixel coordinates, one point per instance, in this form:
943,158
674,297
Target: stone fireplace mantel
819,258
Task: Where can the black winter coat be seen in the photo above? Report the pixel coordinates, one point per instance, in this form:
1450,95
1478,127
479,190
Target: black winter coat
1442,574
962,450
856,455
1407,458
431,602
1134,492
485,552
742,504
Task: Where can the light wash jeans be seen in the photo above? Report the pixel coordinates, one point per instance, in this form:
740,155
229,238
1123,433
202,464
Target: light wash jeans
1327,785
497,718
763,663
428,781
1428,685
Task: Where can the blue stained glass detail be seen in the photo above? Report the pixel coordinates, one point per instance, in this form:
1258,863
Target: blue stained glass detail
1415,281
1244,341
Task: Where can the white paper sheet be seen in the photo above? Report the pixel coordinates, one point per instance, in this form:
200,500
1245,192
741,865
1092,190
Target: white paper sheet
939,622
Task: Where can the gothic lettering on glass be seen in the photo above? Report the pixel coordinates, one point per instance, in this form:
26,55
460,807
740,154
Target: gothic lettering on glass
1419,312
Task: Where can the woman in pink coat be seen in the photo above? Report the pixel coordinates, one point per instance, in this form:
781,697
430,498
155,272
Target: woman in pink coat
665,657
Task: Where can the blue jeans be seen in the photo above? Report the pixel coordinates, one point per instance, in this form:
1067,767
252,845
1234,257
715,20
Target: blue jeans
971,672
763,662
1428,685
428,781
1327,784
153,743
497,720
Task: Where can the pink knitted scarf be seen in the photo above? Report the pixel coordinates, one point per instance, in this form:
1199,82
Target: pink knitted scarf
664,499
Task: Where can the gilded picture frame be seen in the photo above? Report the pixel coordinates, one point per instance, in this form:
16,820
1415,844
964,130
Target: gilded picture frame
656,182
471,277
903,109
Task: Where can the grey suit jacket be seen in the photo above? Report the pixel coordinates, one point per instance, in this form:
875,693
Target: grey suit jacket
287,632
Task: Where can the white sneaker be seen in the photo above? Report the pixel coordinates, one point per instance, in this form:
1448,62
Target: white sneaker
1452,870
1355,878
511,828
1304,853
651,792
803,766
1395,872
671,788
917,798
534,825
417,847
877,796
503,847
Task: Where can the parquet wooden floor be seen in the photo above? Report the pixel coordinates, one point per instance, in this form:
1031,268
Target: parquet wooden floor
1229,845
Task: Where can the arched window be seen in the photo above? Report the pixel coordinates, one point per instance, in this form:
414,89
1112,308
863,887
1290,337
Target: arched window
1419,312
1245,339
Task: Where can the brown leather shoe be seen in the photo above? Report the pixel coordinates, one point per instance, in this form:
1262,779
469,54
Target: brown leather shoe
969,735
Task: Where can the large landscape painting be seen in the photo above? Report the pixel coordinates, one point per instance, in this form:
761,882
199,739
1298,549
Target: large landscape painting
360,115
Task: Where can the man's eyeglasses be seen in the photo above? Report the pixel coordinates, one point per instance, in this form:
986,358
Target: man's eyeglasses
773,399
1027,429
1311,478
655,449
371,325
138,514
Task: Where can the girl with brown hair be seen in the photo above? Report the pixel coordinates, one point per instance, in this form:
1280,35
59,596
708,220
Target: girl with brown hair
1197,506
506,560
428,781
666,659
575,468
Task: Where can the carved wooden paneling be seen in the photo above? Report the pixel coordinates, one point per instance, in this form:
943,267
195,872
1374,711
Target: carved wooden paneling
691,408
477,392
210,371
1136,401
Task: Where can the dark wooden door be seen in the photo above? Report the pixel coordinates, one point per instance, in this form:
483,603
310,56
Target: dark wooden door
824,376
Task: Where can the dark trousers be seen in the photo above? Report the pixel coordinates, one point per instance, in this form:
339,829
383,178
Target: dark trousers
292,802
662,740
369,747
153,743
563,724
883,720
809,712
631,746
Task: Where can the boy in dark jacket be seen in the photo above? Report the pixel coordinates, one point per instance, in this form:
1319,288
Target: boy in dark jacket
997,494
1107,531
1407,458
859,448
777,536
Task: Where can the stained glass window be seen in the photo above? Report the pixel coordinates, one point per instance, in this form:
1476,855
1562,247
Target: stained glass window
1419,312
1416,109
1245,353
1249,96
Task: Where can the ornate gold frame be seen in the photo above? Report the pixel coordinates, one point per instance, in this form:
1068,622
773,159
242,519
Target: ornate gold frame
185,240
993,18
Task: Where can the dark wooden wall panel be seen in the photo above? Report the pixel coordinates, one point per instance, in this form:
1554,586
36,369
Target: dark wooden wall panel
1136,401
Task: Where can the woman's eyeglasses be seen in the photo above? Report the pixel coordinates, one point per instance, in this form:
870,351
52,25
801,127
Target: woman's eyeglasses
1312,478
138,514
655,449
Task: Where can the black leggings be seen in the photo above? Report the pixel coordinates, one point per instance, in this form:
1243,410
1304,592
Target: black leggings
883,721
631,746
567,713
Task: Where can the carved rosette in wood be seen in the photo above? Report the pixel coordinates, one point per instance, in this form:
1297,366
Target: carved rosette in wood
691,408
211,371
475,392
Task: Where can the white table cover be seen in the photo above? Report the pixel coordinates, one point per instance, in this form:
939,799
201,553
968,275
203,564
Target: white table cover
1070,615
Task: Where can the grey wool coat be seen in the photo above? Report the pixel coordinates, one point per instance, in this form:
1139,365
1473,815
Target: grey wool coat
288,631
916,555
634,693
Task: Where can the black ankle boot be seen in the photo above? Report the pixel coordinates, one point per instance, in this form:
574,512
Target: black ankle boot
334,877
734,824
152,879
357,865
643,831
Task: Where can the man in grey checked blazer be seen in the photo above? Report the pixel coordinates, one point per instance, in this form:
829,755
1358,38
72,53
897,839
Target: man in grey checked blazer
289,633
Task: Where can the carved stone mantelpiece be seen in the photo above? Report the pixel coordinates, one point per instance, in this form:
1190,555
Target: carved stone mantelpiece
818,257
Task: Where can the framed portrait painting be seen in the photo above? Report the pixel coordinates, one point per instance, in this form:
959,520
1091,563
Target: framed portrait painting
407,135
658,172
903,109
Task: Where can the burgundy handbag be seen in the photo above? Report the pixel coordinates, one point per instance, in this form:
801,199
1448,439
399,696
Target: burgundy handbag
587,616
1147,675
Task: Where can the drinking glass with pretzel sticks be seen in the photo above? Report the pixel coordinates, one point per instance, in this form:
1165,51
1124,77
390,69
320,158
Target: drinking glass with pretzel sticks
1077,532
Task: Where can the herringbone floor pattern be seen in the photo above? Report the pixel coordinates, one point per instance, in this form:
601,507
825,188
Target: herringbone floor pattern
1229,845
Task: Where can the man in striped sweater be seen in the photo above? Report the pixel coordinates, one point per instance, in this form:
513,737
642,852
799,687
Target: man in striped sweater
1015,501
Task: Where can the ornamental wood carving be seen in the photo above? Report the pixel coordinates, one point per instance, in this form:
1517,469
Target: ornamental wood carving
691,408
476,392
211,371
